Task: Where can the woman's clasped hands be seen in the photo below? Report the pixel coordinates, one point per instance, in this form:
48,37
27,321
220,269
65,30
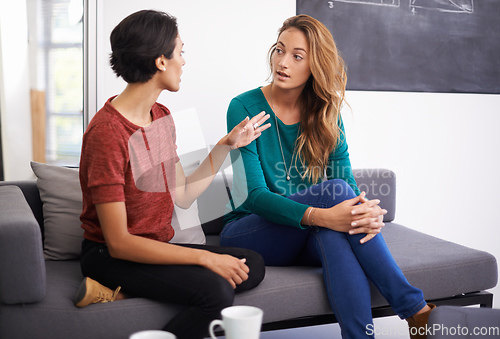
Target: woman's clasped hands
354,216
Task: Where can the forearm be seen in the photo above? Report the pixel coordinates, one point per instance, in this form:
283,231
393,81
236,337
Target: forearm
306,218
240,136
356,215
123,245
196,183
148,251
322,217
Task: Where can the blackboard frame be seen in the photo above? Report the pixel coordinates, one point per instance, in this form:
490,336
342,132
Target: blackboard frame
415,45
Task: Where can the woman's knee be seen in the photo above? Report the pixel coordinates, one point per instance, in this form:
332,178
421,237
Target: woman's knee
325,194
256,265
215,295
334,191
253,260
340,189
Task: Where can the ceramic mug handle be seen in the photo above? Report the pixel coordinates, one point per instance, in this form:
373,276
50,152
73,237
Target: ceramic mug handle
213,324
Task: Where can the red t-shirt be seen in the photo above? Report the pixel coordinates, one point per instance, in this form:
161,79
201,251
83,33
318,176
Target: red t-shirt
122,162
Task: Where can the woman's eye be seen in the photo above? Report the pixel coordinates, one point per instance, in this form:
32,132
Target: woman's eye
298,57
279,51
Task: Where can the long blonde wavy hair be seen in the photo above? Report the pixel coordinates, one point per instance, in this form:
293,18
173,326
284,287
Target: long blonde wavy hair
322,98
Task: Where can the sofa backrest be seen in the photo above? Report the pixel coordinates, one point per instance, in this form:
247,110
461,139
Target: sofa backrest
377,183
212,204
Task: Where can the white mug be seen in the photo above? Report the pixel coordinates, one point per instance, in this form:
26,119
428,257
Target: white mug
152,334
239,322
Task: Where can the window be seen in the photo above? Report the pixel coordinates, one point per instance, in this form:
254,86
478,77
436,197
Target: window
56,49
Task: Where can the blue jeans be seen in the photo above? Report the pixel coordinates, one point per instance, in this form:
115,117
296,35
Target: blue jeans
348,266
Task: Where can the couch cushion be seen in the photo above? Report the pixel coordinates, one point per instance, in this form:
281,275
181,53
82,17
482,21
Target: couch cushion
62,204
187,226
440,268
287,293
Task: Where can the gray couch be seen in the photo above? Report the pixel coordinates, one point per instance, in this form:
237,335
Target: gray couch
36,294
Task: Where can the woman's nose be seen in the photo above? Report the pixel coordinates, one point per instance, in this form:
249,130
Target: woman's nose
283,62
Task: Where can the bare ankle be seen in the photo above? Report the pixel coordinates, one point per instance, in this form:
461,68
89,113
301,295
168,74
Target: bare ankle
120,296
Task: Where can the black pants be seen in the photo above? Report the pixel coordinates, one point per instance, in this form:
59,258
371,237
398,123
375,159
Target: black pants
203,291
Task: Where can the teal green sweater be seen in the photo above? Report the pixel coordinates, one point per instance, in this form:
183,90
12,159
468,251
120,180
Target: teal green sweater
259,176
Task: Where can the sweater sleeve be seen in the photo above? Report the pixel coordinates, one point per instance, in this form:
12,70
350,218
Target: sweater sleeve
249,183
339,164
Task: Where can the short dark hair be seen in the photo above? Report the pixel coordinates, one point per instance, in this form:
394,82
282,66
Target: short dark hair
138,40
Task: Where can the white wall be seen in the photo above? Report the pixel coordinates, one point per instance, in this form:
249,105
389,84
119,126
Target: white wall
15,109
444,150
226,43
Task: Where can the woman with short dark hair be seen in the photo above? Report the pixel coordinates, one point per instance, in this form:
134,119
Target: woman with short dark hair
131,177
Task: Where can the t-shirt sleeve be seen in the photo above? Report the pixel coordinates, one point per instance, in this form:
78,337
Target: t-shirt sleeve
105,154
248,171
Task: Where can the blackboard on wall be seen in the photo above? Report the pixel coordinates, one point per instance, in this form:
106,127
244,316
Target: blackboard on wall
415,45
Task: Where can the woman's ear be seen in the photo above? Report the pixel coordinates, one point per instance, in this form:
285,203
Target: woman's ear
161,63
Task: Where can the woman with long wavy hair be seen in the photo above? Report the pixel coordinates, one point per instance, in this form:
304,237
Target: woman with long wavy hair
282,207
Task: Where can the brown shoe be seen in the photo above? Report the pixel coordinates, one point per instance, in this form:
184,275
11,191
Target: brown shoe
91,292
418,324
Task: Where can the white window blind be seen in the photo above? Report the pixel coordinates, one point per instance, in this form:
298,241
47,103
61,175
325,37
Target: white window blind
59,74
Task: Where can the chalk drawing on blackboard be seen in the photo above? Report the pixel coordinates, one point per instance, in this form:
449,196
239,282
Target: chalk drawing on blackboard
450,6
391,3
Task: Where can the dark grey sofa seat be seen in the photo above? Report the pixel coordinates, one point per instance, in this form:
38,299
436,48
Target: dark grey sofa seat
36,295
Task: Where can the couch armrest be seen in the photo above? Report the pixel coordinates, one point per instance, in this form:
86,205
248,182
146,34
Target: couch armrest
379,183
22,266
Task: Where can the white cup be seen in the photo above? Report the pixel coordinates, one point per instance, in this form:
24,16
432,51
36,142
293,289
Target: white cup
239,322
152,334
